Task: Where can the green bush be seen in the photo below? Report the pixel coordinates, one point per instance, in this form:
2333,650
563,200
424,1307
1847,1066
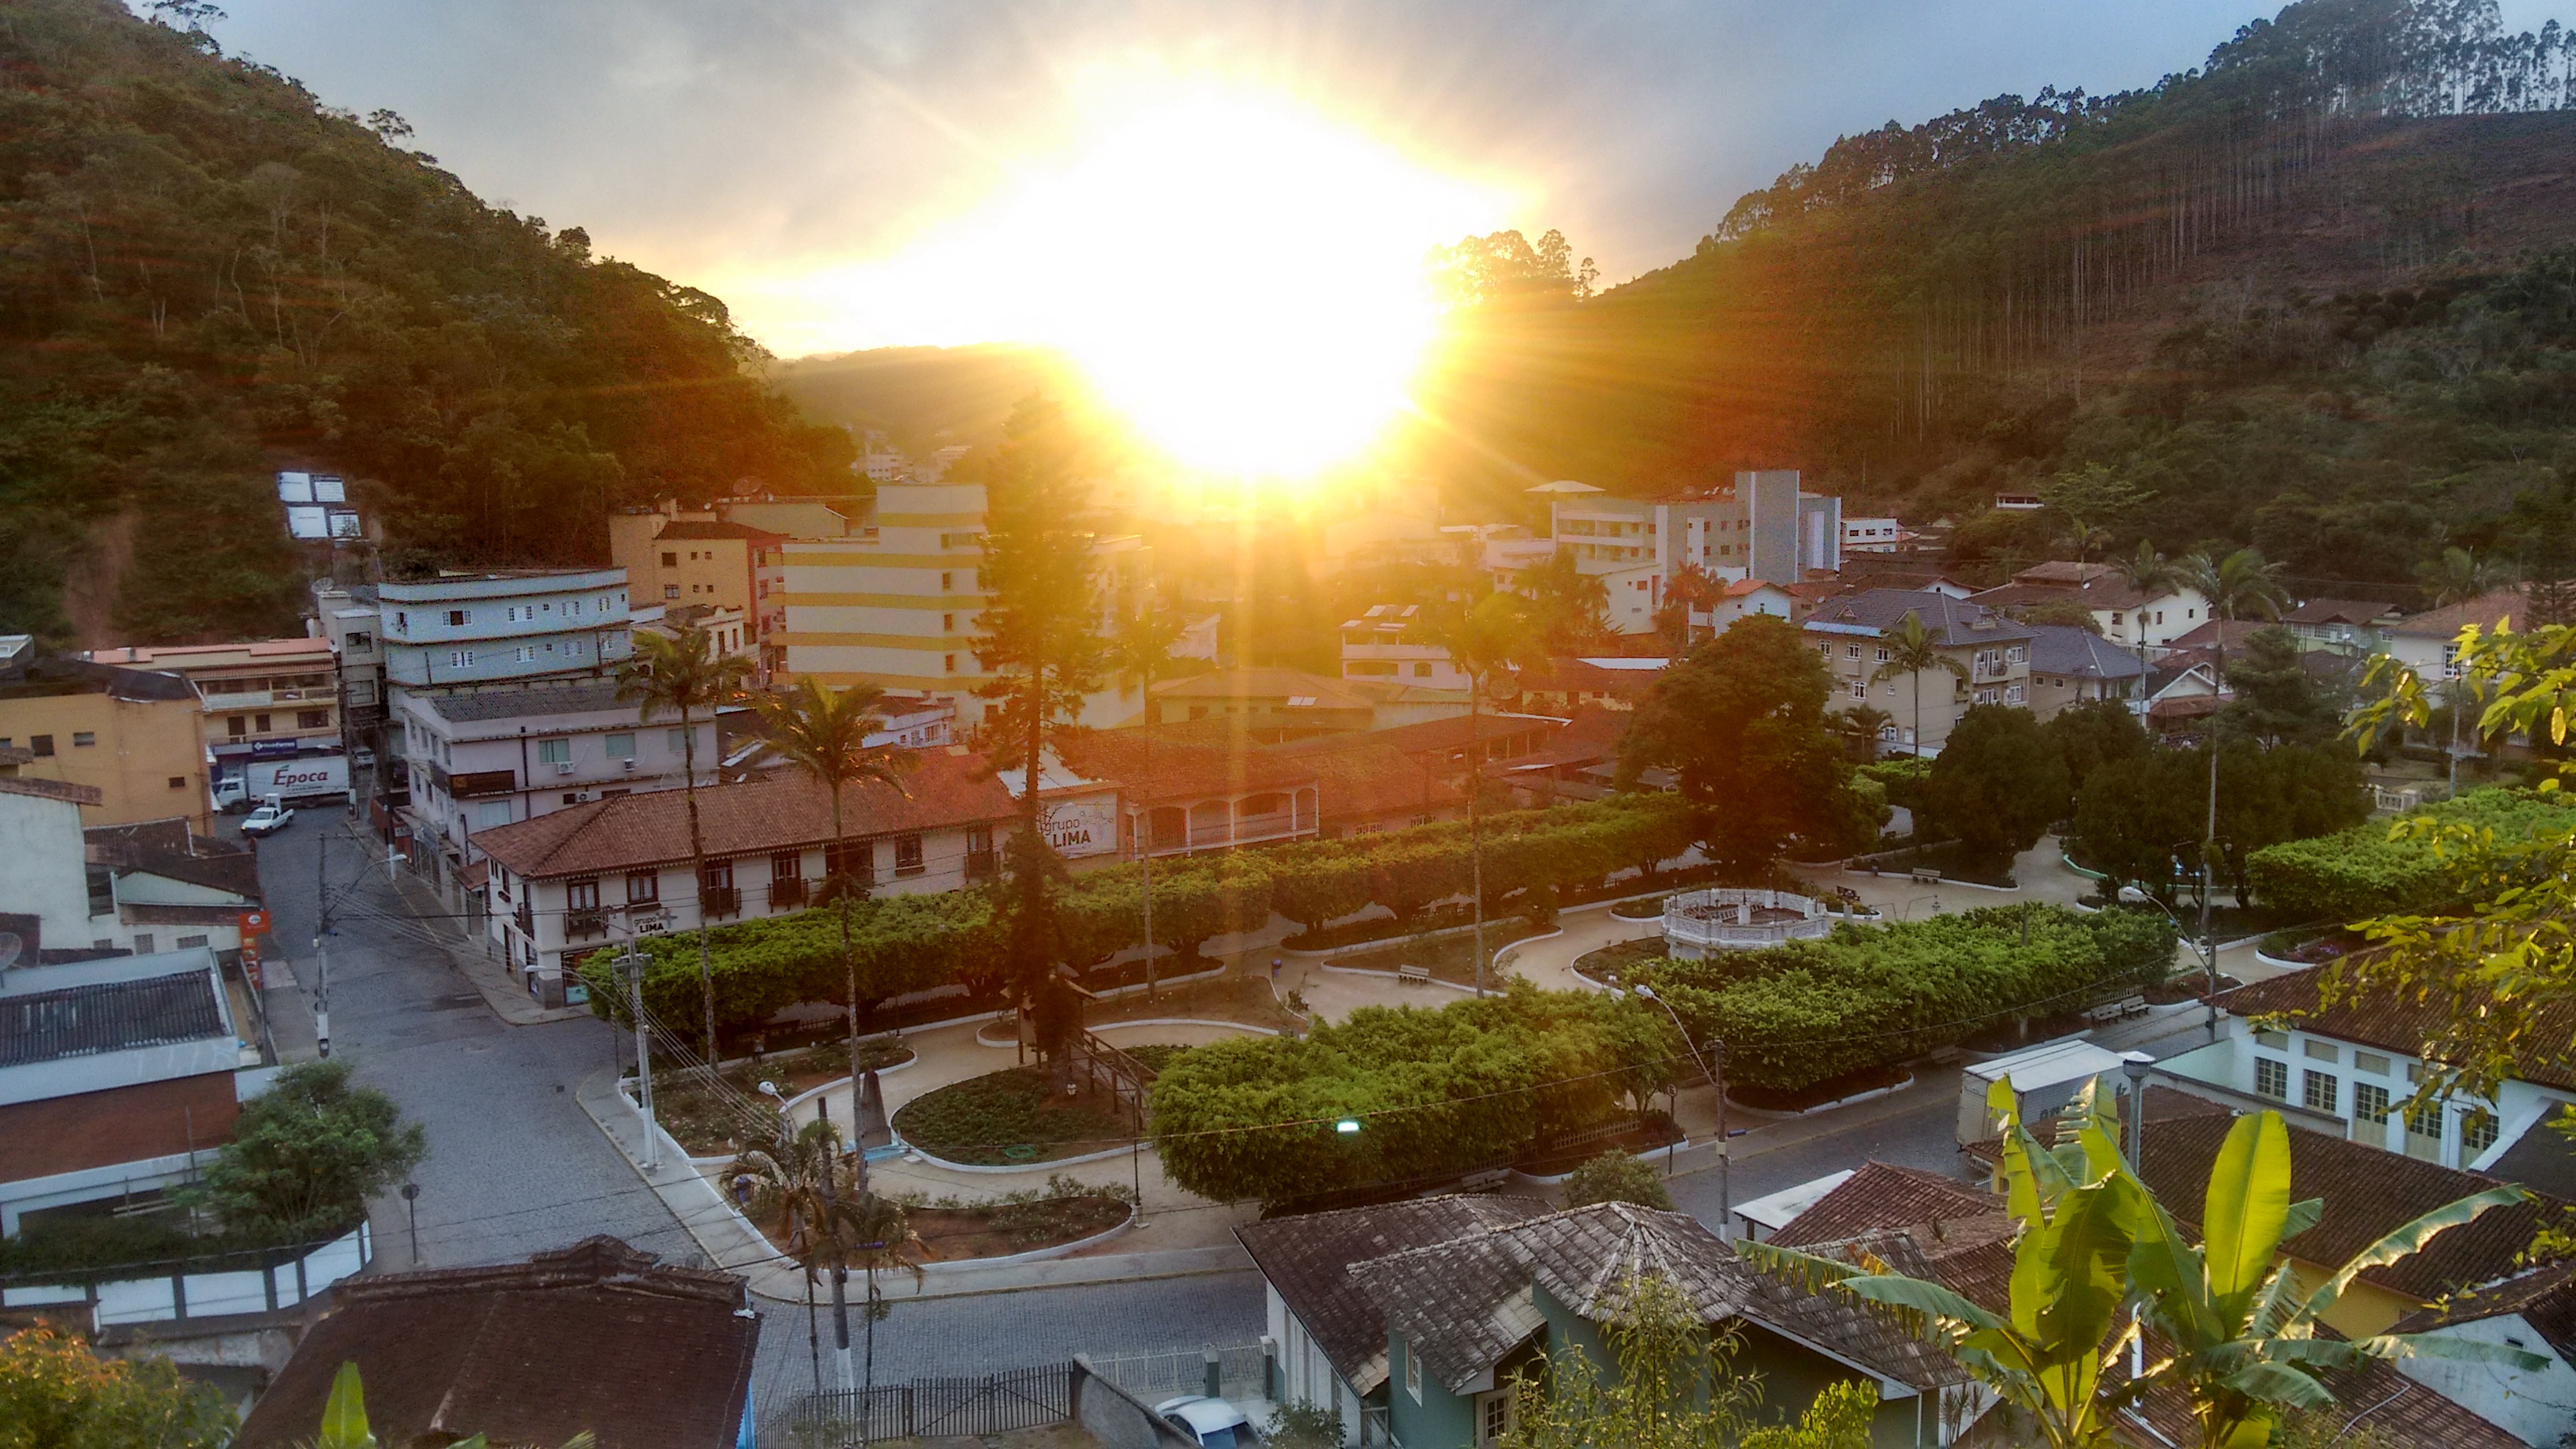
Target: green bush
1809,1011
1468,1085
307,1154
1615,1176
2361,872
976,1120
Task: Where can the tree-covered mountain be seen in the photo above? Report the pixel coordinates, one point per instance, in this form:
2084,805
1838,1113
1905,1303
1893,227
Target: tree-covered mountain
2312,295
206,274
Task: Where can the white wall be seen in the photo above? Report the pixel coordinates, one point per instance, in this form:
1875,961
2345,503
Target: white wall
2534,1407
43,867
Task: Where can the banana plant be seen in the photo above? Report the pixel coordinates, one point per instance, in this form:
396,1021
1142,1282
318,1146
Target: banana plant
344,1419
2064,1326
2243,1333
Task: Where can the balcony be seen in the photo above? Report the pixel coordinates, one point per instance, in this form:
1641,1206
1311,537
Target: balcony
789,894
716,901
527,920
583,923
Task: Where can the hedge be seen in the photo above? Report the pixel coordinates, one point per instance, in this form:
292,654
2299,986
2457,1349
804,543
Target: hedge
1795,1015
2361,872
1435,1092
912,943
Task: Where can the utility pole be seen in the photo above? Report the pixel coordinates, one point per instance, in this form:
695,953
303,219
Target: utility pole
840,1269
321,958
631,966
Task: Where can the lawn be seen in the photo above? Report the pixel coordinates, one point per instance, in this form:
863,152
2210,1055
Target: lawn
1009,1119
1449,958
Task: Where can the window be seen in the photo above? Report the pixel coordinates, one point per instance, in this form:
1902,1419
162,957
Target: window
2014,694
1413,1373
178,782
460,658
907,855
188,943
2277,1041
581,895
312,719
643,887
947,583
491,813
42,745
670,560
1860,689
82,739
854,858
525,654
2369,1102
359,639
2272,1079
2320,1091
554,752
1493,1417
2371,1062
1422,671
143,943
457,617
260,723
948,663
676,740
2321,1051
2477,1134
716,876
1851,651
620,747
670,591
1884,656
948,623
2425,1121
786,864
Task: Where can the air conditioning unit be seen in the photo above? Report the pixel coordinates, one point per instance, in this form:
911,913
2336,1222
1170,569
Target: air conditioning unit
627,765
563,767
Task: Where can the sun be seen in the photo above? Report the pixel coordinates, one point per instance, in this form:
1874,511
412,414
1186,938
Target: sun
1243,278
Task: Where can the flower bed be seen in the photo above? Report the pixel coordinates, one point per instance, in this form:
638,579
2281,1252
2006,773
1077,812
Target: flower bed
1816,1094
1009,1119
713,1124
1023,1222
1620,959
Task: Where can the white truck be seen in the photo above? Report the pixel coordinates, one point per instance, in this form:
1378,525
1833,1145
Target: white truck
303,780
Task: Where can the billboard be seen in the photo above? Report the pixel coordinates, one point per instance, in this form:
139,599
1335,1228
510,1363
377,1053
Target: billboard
1077,828
307,520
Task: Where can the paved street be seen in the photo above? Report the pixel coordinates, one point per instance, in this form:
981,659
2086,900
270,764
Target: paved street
514,1165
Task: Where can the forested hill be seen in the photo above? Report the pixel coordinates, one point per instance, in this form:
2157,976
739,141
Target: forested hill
2312,295
207,274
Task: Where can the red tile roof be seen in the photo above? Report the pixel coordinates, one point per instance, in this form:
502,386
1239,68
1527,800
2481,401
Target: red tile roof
1370,781
1883,1195
1435,736
2512,605
2544,1297
592,1338
2392,1021
778,810
1180,771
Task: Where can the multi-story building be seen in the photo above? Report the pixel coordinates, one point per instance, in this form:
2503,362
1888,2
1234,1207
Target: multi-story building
2150,619
480,759
565,884
687,561
1875,535
895,604
1991,652
270,717
461,629
133,735
1760,526
70,894
347,617
1385,643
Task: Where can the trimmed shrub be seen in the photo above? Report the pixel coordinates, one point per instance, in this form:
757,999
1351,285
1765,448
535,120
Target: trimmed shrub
1615,1176
2362,872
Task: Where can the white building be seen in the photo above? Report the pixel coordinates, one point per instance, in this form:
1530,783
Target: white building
567,883
1875,535
67,893
486,628
1760,526
895,604
1385,644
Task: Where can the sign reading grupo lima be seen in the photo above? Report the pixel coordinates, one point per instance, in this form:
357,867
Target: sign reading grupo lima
1077,828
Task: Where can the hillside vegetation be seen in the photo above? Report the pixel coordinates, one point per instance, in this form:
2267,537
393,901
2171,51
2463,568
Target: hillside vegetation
207,274
2310,295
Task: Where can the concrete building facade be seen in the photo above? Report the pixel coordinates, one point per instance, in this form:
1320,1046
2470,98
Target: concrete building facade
1761,525
130,734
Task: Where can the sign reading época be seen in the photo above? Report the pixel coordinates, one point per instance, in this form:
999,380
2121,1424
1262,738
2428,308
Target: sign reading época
1082,827
305,778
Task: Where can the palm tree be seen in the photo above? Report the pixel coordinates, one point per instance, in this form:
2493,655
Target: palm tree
1915,650
1139,654
1483,638
2459,576
2239,584
682,673
2087,538
825,734
818,1194
2150,574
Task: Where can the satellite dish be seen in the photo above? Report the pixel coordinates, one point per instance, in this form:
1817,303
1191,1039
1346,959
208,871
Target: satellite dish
10,949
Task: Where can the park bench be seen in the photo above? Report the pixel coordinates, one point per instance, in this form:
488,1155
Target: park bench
1927,875
1411,975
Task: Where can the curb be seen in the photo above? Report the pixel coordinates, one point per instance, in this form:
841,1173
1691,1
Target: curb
1496,961
1391,976
1854,1100
1146,1021
1039,1255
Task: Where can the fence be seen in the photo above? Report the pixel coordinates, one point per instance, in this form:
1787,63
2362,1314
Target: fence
262,1281
1241,1372
996,1403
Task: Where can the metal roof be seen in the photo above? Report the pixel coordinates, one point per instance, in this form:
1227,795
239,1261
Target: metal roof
78,1021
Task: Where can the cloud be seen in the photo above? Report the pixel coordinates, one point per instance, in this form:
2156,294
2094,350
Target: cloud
745,145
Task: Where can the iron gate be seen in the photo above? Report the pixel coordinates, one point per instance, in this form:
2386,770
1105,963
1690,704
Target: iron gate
995,1403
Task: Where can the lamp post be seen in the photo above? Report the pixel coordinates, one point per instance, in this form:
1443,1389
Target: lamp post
1714,1065
2137,1067
832,1234
2207,950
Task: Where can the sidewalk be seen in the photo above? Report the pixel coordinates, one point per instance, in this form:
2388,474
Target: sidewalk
472,960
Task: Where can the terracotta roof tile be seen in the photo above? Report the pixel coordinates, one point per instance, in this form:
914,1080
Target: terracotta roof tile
2544,1297
2513,606
1308,1260
1884,1195
778,810
1179,771
664,1355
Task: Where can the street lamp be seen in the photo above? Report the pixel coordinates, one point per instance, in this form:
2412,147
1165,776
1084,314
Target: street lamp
1714,1067
2207,950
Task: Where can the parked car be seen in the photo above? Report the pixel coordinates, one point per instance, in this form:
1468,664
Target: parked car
1213,1423
268,820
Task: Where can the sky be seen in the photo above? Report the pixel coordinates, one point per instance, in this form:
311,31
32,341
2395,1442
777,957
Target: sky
877,172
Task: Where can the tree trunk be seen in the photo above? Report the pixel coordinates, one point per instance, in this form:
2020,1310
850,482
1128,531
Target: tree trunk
1475,817
849,963
1145,840
698,866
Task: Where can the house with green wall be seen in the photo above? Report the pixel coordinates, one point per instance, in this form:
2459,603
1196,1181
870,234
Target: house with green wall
1434,1332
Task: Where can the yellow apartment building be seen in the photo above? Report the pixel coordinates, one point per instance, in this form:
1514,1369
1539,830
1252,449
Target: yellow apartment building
263,700
130,734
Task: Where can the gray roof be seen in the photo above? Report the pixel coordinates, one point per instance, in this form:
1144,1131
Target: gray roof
1308,1260
1465,1304
589,697
2081,653
78,1021
1957,623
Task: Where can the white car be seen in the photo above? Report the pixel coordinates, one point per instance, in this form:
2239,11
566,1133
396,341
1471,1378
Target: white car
268,820
1214,1423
